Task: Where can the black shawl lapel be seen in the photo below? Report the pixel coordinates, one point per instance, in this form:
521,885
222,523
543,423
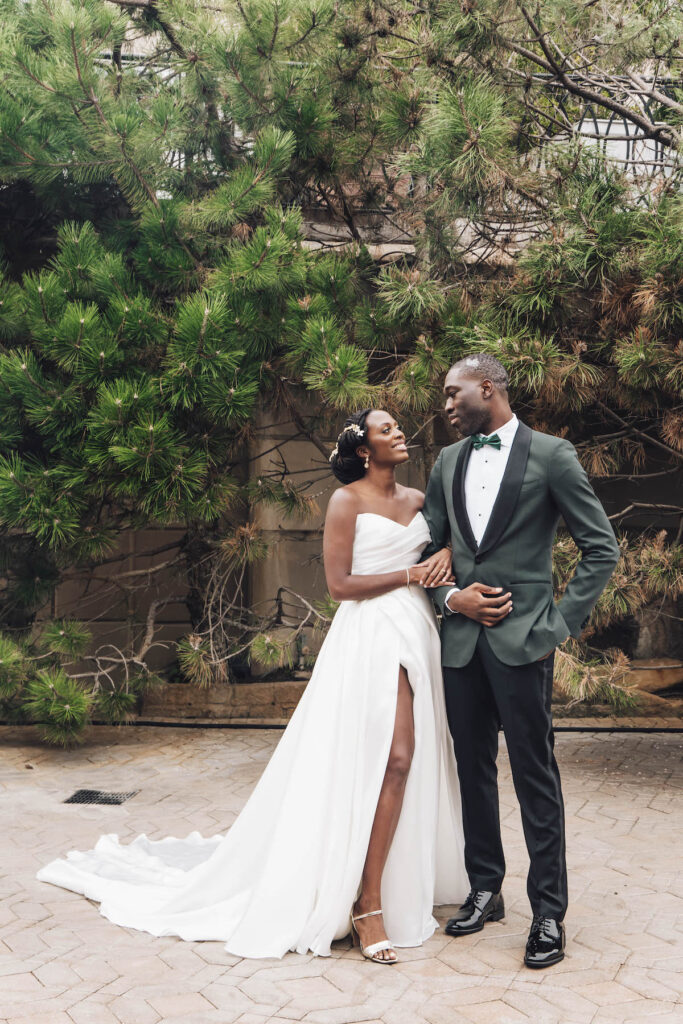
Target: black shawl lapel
459,506
509,489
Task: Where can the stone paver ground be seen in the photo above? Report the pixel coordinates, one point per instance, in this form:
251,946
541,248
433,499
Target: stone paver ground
61,963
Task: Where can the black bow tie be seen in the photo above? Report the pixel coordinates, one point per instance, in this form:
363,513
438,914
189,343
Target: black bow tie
478,441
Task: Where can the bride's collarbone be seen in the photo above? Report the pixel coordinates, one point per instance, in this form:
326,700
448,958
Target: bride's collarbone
401,509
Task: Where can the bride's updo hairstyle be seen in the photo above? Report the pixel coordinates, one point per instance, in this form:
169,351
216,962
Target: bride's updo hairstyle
346,464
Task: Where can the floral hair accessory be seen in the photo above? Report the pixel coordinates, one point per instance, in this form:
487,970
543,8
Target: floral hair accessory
355,429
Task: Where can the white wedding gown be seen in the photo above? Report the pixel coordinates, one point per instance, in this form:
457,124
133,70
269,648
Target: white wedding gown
285,875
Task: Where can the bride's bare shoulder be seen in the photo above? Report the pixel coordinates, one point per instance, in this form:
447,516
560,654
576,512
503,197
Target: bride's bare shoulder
413,497
344,501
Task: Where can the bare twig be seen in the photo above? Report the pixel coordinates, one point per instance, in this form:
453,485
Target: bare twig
639,433
637,506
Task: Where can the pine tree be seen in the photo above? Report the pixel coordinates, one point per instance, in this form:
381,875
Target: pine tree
157,162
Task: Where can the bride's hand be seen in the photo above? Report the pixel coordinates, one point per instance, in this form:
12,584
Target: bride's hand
435,571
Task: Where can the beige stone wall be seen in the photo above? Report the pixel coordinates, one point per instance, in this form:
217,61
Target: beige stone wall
116,615
266,703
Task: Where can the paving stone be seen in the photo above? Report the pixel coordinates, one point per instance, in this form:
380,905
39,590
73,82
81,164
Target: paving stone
477,994
666,959
287,1013
639,1009
670,979
397,1013
496,1010
28,911
317,993
606,993
133,1011
148,968
93,968
57,974
92,1013
559,1004
210,1017
62,963
214,953
179,1004
432,969
281,1020
22,986
344,1015
36,1011
443,1011
10,966
675,1017
644,984
229,999
45,1017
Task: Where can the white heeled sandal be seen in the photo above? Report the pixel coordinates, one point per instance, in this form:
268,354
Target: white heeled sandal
370,952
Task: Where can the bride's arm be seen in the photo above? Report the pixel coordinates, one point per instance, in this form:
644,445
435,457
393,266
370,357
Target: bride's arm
340,528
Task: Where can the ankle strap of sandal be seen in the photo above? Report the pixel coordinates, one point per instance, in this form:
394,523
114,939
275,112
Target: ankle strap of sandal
372,913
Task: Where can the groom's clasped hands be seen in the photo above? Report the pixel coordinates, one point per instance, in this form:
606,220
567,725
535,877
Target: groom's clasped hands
484,604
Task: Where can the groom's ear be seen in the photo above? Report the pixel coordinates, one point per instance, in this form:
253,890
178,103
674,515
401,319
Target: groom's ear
487,388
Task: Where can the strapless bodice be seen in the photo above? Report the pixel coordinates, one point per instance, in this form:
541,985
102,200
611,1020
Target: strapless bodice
382,545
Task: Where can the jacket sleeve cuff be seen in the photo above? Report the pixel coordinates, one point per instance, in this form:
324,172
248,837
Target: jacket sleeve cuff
446,609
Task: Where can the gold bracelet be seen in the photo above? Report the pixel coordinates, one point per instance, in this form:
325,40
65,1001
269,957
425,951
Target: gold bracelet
408,578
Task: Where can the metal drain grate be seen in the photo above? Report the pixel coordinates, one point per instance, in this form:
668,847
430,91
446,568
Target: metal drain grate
98,796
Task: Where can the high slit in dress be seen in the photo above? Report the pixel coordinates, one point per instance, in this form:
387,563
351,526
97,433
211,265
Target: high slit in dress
285,875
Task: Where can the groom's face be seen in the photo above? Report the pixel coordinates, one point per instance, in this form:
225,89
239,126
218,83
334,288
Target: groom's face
466,405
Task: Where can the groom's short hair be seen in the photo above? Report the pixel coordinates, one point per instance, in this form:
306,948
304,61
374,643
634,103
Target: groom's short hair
485,367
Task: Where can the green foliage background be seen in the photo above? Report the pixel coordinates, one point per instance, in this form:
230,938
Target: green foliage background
159,164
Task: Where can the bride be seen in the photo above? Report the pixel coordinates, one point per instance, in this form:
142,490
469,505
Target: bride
355,822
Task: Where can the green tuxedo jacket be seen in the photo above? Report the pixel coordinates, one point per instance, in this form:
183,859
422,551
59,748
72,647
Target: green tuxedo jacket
543,480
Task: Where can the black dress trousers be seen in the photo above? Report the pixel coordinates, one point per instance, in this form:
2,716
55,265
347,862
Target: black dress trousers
480,697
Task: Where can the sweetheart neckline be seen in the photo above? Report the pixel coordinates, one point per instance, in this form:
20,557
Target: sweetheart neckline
378,515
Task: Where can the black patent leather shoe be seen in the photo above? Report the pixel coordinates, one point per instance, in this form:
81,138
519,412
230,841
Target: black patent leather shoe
545,945
479,907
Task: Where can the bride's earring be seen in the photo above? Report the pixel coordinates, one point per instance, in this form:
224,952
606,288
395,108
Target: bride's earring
367,462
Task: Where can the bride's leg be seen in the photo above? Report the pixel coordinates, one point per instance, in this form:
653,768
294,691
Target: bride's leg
386,816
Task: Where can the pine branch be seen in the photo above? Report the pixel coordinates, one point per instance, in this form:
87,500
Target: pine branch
586,92
639,433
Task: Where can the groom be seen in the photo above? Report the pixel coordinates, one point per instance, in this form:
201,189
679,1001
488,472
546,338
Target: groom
497,497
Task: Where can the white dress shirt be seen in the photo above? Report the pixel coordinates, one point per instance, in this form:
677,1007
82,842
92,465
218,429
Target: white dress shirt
484,476
482,482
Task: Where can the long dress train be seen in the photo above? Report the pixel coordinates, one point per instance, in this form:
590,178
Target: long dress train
285,875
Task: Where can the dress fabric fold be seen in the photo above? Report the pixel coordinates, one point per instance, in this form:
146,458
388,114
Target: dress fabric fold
285,875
